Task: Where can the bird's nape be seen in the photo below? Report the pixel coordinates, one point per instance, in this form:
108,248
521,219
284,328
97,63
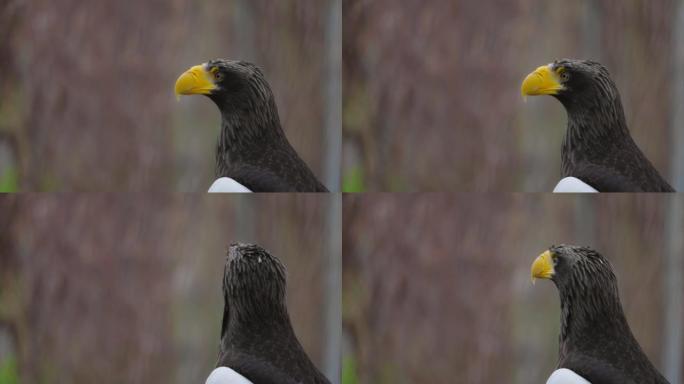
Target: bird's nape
257,338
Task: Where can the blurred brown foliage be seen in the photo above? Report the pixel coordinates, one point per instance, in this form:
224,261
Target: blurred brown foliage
432,88
88,97
127,289
436,287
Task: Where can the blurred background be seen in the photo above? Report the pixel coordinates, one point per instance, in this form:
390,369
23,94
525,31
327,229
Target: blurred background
86,92
436,287
432,88
127,289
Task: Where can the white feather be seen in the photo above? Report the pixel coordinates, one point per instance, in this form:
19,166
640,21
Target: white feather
573,185
566,376
225,375
227,185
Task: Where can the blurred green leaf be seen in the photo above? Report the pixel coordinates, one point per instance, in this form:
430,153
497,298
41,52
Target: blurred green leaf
8,371
348,371
9,182
353,180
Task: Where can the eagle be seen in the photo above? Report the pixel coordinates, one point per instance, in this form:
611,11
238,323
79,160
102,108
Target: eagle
598,153
252,153
596,344
258,344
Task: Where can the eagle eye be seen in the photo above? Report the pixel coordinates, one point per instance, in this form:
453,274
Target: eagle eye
216,72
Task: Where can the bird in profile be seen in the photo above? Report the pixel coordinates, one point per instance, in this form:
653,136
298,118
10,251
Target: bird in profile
253,153
598,153
596,343
258,344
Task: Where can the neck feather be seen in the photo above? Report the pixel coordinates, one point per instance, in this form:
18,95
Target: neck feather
593,123
590,309
248,131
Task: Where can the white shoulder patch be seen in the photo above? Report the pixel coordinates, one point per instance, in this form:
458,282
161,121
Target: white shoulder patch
225,375
227,185
573,185
566,376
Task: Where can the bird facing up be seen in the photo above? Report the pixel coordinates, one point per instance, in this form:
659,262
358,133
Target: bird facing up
598,148
252,148
595,340
257,339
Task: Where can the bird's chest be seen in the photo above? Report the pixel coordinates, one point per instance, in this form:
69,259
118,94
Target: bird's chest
599,355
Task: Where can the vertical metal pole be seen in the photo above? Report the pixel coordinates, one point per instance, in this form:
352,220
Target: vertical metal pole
677,120
673,285
333,289
333,95
673,291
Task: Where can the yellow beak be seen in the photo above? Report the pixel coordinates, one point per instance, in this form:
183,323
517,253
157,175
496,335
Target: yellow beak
195,81
542,268
543,81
